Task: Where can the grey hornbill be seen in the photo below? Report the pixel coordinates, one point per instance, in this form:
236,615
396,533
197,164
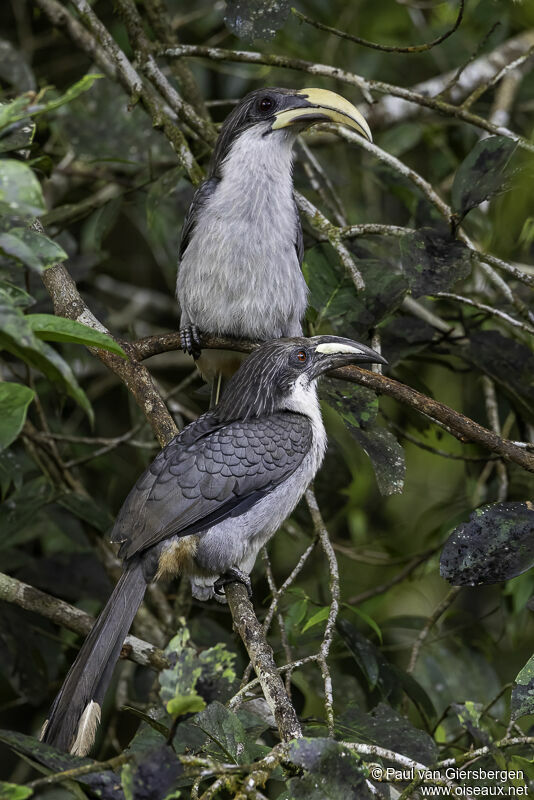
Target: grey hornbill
207,504
241,251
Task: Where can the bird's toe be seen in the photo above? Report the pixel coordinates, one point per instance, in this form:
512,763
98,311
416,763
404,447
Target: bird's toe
190,340
233,575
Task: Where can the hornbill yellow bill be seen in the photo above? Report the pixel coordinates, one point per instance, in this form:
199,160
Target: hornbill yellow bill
239,270
207,504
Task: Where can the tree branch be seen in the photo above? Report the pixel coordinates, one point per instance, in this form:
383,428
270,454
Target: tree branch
385,48
94,39
32,599
350,78
460,426
261,656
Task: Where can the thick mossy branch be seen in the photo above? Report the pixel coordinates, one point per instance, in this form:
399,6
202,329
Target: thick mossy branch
456,423
32,599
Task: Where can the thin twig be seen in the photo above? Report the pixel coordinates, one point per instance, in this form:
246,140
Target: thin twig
440,609
350,78
358,599
494,312
410,49
328,635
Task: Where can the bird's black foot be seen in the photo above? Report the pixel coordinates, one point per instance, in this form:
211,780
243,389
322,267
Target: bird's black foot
190,340
233,575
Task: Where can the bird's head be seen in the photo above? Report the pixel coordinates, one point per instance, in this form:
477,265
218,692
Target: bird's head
281,373
283,114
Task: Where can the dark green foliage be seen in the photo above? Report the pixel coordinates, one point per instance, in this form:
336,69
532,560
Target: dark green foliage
151,776
256,19
497,543
510,363
334,772
482,174
14,402
104,784
387,728
433,261
523,692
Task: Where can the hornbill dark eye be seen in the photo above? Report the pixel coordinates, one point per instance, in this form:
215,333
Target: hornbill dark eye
265,104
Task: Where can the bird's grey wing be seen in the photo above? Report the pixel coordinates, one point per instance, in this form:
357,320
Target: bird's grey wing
299,239
189,488
204,191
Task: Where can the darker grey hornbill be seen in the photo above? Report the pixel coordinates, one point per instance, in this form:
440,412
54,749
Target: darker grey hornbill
207,504
239,269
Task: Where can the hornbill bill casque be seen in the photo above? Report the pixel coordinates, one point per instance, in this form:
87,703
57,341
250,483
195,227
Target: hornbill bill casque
241,251
207,504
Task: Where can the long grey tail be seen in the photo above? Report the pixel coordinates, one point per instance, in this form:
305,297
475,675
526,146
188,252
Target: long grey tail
75,713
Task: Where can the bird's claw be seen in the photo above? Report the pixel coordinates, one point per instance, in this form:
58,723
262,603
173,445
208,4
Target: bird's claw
190,340
233,575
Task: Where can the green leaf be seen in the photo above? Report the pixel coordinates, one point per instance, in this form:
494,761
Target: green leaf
385,727
17,337
12,791
363,651
226,731
482,174
14,402
495,544
366,618
213,667
86,508
385,677
25,106
14,67
102,784
331,771
471,718
356,405
17,137
11,471
387,457
256,19
16,295
12,110
185,704
509,362
58,329
319,616
152,774
32,249
523,692
433,261
20,191
332,293
21,508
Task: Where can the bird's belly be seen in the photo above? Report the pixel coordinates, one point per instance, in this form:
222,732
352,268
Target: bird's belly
236,541
242,277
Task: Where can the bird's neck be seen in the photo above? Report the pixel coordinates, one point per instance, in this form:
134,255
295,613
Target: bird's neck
259,161
303,400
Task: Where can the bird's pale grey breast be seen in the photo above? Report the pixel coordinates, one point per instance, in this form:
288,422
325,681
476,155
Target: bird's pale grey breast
240,270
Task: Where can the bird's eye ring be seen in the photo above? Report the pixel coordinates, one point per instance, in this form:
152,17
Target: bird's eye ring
302,356
266,104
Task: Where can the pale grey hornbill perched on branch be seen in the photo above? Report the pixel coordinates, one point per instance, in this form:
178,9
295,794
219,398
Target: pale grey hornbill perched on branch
239,269
207,504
